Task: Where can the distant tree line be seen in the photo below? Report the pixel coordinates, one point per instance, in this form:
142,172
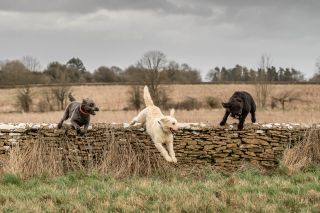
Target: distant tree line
28,71
242,73
16,72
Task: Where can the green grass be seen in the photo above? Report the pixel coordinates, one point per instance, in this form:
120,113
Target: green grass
211,192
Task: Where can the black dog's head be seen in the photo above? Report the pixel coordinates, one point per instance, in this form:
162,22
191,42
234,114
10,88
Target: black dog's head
89,106
234,106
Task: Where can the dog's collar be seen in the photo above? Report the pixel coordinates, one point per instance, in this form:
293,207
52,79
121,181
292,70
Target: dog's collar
83,112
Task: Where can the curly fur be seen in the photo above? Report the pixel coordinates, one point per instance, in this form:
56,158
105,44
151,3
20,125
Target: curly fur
239,106
158,126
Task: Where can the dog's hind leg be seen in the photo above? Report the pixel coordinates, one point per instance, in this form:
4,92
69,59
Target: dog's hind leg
140,118
163,152
171,151
65,117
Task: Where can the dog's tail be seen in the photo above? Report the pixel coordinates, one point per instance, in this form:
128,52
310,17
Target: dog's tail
147,98
71,98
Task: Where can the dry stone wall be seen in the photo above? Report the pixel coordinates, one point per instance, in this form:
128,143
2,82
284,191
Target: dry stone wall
197,145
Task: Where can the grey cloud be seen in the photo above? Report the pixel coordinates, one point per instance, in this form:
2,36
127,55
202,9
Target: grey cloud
88,6
203,33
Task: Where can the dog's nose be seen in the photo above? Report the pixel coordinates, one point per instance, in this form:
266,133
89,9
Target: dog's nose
96,109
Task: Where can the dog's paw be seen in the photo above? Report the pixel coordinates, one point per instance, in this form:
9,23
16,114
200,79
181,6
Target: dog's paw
169,159
222,123
174,160
59,126
79,132
240,127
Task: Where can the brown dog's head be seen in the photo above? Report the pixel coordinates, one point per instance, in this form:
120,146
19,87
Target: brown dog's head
88,106
169,123
234,106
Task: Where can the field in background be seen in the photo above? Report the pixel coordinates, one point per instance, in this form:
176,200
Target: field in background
205,116
112,99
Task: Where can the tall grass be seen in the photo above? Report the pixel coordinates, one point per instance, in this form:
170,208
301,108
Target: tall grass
34,159
304,154
117,159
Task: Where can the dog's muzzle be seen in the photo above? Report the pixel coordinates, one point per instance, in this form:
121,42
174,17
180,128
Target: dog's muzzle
93,112
173,131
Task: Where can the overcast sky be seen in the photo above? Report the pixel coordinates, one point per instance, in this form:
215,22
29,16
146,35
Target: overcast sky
202,33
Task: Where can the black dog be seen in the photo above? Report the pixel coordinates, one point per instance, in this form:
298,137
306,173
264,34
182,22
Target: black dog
79,113
239,106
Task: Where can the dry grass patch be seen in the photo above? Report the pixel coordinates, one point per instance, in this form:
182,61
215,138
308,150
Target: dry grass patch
304,154
119,160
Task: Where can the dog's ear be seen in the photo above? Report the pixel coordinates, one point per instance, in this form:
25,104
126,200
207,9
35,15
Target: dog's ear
226,105
172,112
164,120
238,100
85,101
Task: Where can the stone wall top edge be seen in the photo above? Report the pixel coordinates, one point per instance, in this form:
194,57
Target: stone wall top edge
183,126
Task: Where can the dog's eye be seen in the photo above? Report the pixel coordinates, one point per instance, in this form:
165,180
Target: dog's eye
91,105
173,123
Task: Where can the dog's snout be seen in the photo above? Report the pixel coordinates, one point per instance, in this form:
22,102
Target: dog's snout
96,109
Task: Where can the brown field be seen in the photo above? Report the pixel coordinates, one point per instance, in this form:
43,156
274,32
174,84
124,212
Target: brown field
113,98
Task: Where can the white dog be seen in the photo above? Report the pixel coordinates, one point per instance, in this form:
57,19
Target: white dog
158,126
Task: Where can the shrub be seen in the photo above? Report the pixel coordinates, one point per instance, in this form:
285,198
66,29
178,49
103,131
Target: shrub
24,99
9,178
189,104
136,101
135,98
213,102
45,104
164,100
61,94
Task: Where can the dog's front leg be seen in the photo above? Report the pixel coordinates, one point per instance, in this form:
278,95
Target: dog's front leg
163,152
171,151
65,117
85,128
241,121
76,126
225,117
253,116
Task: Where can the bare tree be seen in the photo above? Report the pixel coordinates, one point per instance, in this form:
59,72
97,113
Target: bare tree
316,76
31,63
24,99
263,86
285,97
153,63
61,94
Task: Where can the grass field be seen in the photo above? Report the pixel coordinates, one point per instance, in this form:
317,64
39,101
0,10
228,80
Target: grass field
113,98
207,192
